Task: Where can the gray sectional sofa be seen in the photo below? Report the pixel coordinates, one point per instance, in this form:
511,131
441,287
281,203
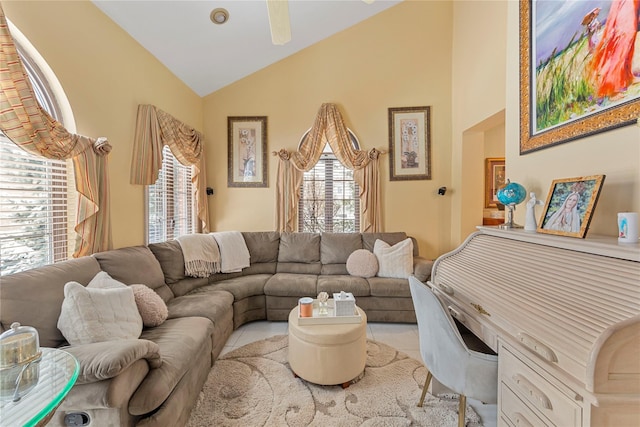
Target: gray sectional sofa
156,379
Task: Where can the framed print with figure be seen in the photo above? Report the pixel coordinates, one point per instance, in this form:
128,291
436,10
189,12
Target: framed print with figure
247,151
579,69
409,143
570,205
494,178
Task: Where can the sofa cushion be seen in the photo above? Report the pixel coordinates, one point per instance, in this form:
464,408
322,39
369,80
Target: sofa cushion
358,286
104,310
176,339
206,302
262,245
394,261
151,307
291,285
135,265
369,239
362,263
389,287
169,255
43,288
299,247
335,248
240,287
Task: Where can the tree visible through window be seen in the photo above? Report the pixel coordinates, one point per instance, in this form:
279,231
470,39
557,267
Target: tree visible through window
35,207
170,201
329,197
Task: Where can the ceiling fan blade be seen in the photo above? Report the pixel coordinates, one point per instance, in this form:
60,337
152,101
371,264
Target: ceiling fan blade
279,21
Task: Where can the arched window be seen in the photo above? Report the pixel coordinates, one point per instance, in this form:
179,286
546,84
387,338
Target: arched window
37,205
329,195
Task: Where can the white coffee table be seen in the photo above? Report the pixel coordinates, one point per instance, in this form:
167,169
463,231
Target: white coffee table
328,354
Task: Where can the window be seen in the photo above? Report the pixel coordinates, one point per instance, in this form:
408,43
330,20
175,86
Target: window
35,199
329,196
170,210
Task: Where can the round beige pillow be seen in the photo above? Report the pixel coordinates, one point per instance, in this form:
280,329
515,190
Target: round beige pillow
362,263
152,308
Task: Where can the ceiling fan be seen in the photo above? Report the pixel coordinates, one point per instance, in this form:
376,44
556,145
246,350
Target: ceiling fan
279,20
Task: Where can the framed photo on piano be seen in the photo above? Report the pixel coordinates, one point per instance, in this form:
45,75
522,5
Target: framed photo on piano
569,206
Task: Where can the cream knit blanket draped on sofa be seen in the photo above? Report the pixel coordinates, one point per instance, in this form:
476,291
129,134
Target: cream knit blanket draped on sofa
234,255
201,255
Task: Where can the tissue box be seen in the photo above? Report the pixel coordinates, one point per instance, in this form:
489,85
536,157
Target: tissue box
345,304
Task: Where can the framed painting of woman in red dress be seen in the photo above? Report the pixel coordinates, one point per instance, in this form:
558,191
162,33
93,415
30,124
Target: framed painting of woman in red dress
579,69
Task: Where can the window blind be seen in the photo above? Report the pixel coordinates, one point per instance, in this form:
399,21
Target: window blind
170,210
33,209
329,198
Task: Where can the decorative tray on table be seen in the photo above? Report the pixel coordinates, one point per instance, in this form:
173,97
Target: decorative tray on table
328,319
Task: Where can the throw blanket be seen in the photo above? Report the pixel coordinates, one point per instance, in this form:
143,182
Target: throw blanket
201,255
234,254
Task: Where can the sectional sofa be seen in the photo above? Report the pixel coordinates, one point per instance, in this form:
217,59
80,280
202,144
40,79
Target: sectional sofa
155,380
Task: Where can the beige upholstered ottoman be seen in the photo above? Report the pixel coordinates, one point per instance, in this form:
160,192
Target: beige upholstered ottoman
327,354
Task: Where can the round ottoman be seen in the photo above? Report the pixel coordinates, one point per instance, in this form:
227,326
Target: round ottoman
327,354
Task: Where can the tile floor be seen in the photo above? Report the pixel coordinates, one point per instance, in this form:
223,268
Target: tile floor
401,336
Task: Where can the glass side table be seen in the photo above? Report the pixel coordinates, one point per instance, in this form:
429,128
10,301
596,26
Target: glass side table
58,373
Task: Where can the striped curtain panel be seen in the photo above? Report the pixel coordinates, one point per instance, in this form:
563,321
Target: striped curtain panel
29,126
154,130
330,125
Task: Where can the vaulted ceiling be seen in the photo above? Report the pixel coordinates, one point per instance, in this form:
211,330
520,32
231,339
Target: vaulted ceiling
207,56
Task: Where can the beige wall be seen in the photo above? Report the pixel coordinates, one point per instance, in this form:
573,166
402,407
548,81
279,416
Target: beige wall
452,55
399,58
478,92
615,154
105,74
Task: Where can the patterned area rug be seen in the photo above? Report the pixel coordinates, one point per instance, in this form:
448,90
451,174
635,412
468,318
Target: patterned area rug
254,386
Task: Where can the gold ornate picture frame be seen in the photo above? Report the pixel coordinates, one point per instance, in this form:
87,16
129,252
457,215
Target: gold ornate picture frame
494,178
409,143
566,72
569,206
247,151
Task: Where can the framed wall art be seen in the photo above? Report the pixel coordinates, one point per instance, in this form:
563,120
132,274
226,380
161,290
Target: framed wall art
494,178
578,75
570,205
247,151
409,143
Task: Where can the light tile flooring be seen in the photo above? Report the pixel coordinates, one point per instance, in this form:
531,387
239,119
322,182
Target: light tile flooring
401,336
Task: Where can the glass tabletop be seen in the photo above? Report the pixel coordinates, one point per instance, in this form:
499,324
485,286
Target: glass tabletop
58,373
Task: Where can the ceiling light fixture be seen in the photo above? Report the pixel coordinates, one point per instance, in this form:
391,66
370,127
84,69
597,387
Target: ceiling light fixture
219,16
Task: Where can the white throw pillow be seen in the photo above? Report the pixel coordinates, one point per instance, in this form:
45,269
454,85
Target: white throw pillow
362,263
394,261
104,310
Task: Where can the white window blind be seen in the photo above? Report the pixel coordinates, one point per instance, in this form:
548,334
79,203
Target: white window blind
329,198
36,204
170,210
33,209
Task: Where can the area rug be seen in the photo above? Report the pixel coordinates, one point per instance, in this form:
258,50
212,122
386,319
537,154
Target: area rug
254,386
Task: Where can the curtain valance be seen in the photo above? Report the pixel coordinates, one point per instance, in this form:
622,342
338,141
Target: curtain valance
29,126
328,126
155,129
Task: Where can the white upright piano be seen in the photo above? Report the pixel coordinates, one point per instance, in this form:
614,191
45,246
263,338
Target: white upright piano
562,313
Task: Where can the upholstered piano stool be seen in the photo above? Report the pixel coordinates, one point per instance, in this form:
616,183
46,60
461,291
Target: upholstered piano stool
328,354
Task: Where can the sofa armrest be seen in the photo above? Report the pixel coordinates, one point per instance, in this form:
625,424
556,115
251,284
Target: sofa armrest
104,360
422,268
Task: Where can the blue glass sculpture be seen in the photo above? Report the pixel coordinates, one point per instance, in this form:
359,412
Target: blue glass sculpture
511,195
